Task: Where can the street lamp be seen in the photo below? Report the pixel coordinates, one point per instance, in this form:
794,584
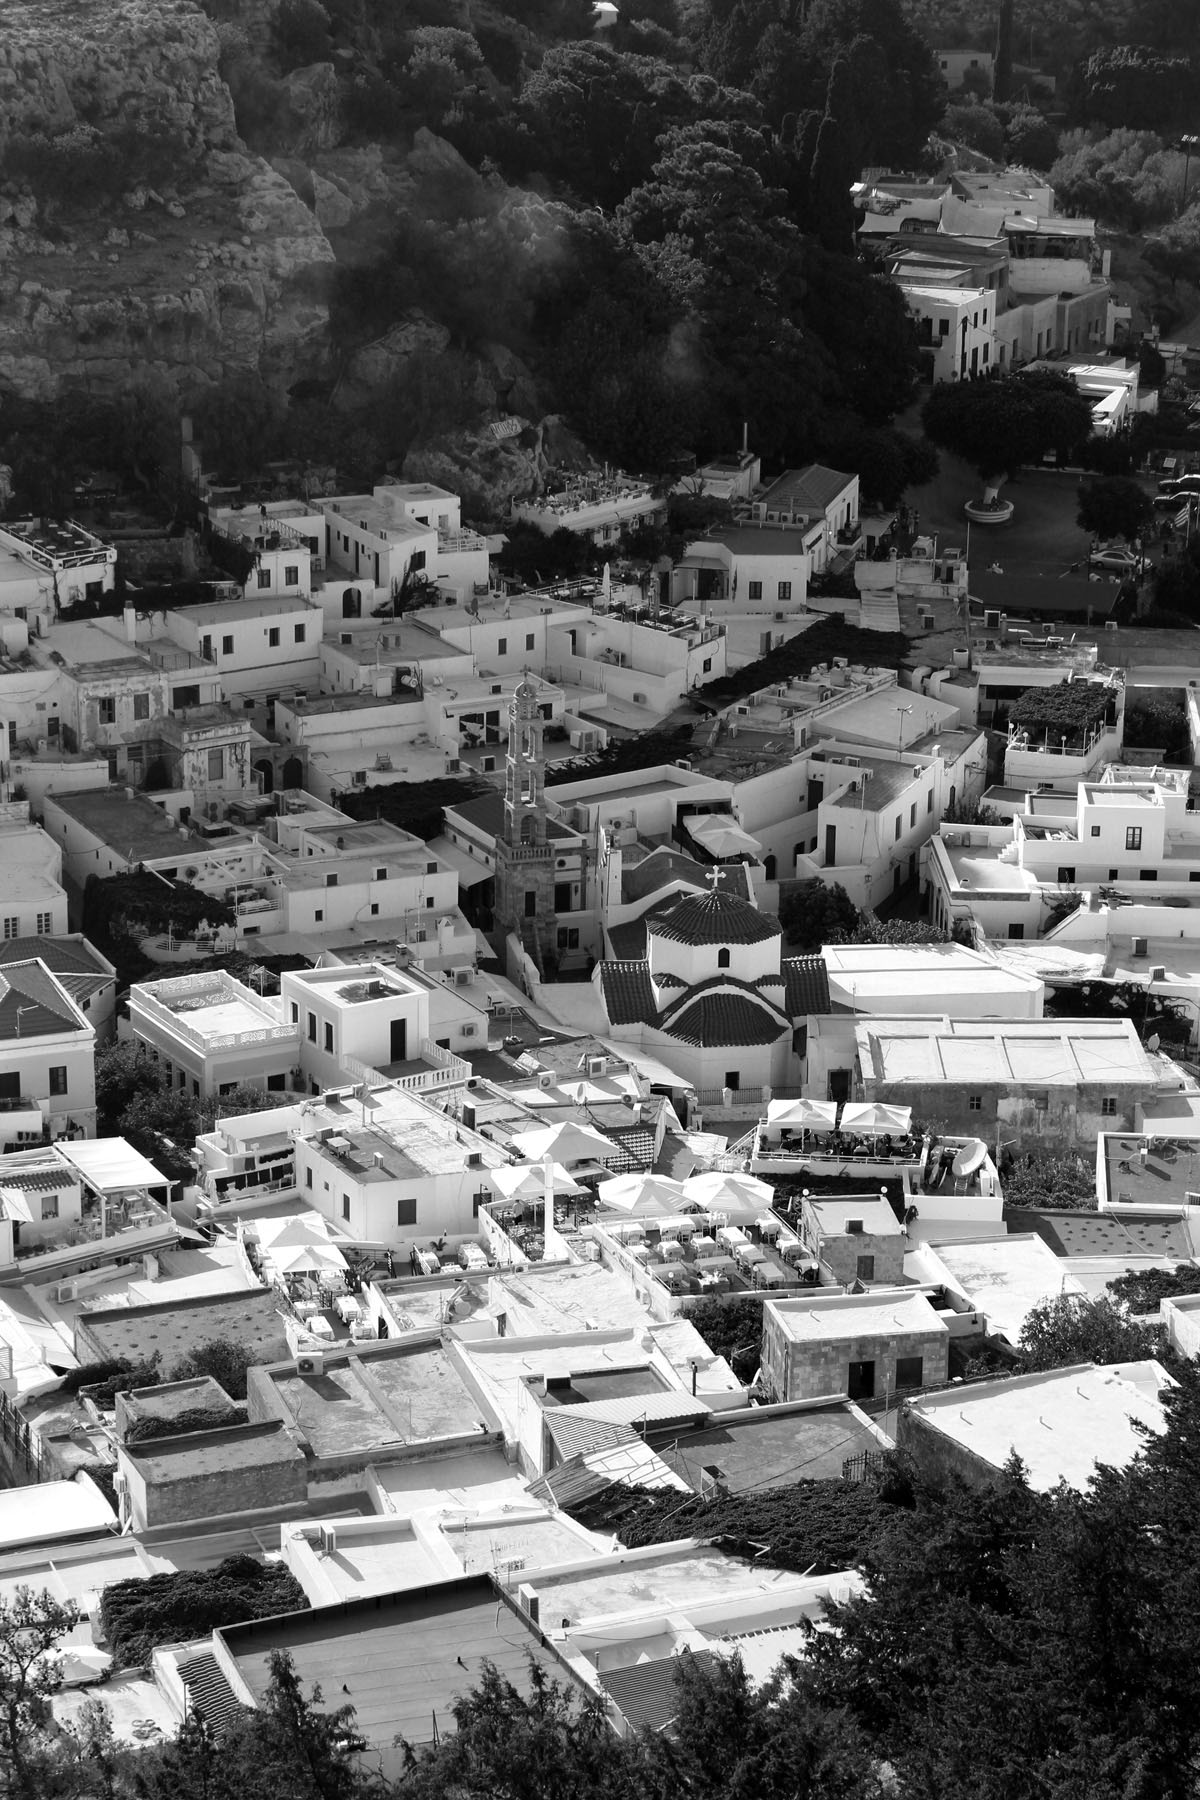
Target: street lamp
1189,146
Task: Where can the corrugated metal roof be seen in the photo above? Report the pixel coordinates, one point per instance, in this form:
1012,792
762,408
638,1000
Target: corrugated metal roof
647,1693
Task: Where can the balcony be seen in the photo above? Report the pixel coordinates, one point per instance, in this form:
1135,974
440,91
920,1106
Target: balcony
776,1150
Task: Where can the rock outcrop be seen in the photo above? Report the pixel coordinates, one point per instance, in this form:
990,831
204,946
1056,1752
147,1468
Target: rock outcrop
220,269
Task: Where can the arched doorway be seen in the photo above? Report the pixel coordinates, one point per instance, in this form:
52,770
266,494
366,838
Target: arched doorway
265,770
293,773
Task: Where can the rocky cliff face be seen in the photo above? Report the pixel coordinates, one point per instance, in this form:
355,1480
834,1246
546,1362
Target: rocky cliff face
220,268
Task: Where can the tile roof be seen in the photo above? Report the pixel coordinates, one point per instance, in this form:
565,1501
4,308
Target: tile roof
33,1004
806,984
715,918
628,993
647,1693
816,486
718,1019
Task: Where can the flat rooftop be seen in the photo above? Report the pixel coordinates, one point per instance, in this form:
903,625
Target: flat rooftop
1063,1425
229,612
1042,1053
669,1580
816,1317
1005,1277
360,1404
768,1448
197,1453
1158,1171
135,827
400,1660
175,1328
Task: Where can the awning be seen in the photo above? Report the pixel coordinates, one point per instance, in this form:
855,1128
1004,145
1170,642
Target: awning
818,1115
722,836
875,1116
110,1165
470,873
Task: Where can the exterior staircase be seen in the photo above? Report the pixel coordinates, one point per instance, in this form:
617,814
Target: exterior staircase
879,610
209,1694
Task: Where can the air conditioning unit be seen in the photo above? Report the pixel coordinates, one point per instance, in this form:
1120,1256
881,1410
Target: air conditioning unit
780,615
991,618
681,762
66,1291
1140,946
475,1159
312,1362
326,1540
463,977
596,1065
546,1079
1158,973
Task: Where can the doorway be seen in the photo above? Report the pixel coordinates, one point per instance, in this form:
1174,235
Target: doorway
861,1384
399,1043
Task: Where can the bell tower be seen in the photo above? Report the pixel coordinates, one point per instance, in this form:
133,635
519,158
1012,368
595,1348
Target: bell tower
524,905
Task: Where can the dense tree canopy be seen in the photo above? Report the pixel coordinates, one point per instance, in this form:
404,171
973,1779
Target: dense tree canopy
1072,1328
1133,85
997,425
1114,506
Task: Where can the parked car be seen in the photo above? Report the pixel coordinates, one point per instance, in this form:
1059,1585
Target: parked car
1118,557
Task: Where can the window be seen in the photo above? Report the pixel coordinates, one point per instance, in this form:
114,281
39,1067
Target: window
1113,873
912,815
1148,875
381,874
418,559
12,928
298,633
529,640
329,1037
568,937
1133,837
308,1180
1096,833
276,1084
1108,1106
406,1212
754,590
184,697
216,765
899,824
429,900
374,909
352,604
530,904
345,1206
141,707
910,1371
864,1268
785,590
58,1080
312,1028
50,1206
733,1079
319,916
502,647
291,578
722,959
45,924
273,636
430,869
1016,932
1066,874
108,710
975,1103
331,881
929,801
295,1013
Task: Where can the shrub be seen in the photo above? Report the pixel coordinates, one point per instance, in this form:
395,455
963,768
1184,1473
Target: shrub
137,1616
193,1418
226,1362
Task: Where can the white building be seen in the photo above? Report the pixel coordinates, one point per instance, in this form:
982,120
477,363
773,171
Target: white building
287,541
210,1033
47,564
266,644
47,1047
864,1346
814,495
599,506
955,323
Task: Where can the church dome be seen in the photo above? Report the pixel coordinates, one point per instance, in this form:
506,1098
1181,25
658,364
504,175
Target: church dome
715,918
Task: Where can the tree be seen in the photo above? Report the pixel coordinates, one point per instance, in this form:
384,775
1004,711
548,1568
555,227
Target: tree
226,1361
1127,179
1144,1290
32,1629
899,96
814,913
1114,506
998,425
967,122
1029,137
730,1328
1175,251
1131,85
1051,1181
1072,1328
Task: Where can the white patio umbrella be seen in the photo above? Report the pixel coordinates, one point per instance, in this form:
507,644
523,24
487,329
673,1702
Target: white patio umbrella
568,1142
527,1181
875,1116
818,1115
723,837
306,1259
732,1193
641,1193
299,1228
